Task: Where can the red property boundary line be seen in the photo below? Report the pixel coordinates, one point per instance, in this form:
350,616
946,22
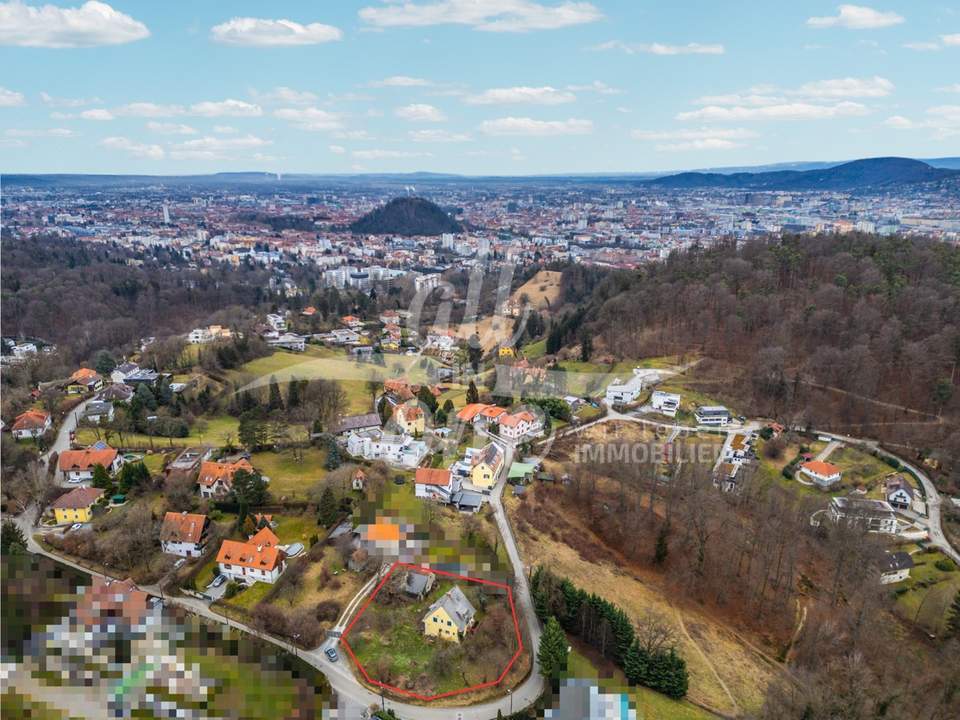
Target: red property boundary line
409,693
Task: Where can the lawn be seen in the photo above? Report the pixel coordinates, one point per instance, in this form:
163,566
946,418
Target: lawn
535,350
247,599
209,431
860,469
290,477
295,528
650,705
925,597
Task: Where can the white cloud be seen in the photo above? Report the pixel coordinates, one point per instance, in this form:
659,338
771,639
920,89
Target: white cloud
91,24
847,87
702,139
310,118
420,112
783,111
857,17
438,136
486,15
97,114
545,95
154,152
258,32
387,154
955,88
401,81
352,135
750,99
951,40
211,147
226,108
282,95
9,98
337,149
692,48
67,102
166,128
532,127
149,109
224,129
601,88
922,46
49,132
943,120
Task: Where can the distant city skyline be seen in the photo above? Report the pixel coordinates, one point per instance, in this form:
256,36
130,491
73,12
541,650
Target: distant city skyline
505,87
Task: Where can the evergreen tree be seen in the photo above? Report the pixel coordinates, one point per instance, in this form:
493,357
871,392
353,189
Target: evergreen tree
105,363
586,347
146,397
274,401
101,478
448,406
661,548
552,653
953,621
12,539
249,489
426,397
473,396
327,514
636,665
293,394
164,393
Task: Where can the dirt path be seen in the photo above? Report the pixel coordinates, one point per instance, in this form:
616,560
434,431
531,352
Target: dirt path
706,660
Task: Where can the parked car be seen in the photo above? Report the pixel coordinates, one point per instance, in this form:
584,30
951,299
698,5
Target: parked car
179,563
76,526
218,581
331,654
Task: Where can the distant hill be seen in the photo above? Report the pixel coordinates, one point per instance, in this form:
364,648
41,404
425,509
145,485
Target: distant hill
871,174
407,216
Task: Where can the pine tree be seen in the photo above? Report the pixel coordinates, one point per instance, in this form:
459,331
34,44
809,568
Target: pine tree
12,539
636,665
275,401
473,396
101,478
425,396
553,650
328,508
953,622
293,394
662,548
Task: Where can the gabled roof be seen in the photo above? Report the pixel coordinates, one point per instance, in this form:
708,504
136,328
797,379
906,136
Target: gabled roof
30,420
457,606
819,467
432,476
355,422
468,412
490,455
265,537
245,554
85,375
86,459
211,471
81,497
182,527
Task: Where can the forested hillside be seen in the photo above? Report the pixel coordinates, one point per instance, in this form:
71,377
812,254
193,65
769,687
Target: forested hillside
856,332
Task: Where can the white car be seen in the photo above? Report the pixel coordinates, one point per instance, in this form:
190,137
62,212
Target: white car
76,526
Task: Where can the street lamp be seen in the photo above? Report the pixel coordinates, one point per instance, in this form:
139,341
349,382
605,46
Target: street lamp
295,638
510,693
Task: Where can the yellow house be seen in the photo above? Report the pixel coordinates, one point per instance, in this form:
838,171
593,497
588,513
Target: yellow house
450,617
486,466
409,417
506,351
76,506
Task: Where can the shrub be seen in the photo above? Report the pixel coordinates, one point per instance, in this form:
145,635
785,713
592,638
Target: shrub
788,472
233,587
945,565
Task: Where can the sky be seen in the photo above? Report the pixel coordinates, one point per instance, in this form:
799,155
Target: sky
506,87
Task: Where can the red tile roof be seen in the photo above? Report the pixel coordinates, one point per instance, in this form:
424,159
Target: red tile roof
233,552
211,471
819,467
30,420
432,476
86,459
81,497
183,527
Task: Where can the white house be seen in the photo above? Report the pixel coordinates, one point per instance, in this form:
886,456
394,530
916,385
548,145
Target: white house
31,424
900,493
895,567
183,534
519,425
621,393
664,402
344,336
124,370
823,474
288,341
436,484
712,415
375,444
248,563
98,412
873,515
277,322
78,465
736,449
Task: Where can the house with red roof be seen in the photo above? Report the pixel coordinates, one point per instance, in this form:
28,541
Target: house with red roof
31,424
435,484
248,563
184,534
78,465
216,478
823,474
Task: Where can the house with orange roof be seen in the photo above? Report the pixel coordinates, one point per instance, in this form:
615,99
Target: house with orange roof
352,322
216,478
265,537
514,426
823,474
435,484
31,424
248,563
184,534
410,418
309,311
84,380
77,465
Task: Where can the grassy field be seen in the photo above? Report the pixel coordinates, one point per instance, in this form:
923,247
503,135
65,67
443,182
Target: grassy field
925,597
209,431
542,290
247,599
861,469
295,528
535,350
650,705
289,477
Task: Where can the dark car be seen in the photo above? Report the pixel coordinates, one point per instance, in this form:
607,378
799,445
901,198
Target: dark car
331,654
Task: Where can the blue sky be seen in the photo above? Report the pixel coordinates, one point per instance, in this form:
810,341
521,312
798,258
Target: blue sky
472,86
